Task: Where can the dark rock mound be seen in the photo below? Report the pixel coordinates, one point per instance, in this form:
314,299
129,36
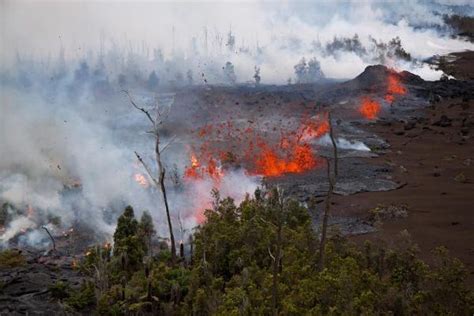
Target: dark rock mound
375,78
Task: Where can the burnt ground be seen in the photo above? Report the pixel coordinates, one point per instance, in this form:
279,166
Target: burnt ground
435,160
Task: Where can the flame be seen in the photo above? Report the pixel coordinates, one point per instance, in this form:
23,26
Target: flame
193,171
141,180
394,86
199,171
369,108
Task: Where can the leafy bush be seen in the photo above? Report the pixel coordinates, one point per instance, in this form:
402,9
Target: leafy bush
82,298
233,270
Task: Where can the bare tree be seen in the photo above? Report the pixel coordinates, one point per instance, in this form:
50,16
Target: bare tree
332,183
334,146
160,181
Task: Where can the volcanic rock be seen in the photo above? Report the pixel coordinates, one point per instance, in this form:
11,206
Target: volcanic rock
443,121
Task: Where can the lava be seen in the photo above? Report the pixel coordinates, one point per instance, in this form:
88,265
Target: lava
270,164
313,128
369,108
200,171
290,153
394,87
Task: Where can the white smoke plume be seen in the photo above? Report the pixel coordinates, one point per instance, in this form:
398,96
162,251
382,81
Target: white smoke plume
203,36
61,159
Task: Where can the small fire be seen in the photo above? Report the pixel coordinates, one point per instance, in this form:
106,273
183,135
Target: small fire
199,171
141,180
193,171
394,87
369,108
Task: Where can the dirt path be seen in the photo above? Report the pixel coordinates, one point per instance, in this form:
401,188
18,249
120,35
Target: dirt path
437,164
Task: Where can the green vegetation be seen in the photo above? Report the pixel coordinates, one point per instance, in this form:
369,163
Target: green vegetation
261,258
11,258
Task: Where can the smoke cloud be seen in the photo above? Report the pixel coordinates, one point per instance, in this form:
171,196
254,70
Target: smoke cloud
193,35
67,134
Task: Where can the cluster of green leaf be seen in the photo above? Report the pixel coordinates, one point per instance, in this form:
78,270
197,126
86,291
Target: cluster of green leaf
261,258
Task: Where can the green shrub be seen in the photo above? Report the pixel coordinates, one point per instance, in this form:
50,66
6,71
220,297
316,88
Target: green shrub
82,298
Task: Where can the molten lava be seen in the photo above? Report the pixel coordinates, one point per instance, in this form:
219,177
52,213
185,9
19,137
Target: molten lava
313,128
270,164
369,108
394,87
199,171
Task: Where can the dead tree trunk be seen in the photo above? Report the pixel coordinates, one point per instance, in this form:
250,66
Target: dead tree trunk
50,236
332,183
334,146
168,216
327,208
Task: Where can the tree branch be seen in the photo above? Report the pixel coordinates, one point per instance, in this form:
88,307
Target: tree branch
148,170
140,109
169,143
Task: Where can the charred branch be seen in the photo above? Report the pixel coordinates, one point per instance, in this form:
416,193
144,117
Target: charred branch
50,236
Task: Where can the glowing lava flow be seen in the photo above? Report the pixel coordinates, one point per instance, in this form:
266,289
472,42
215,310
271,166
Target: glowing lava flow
369,108
394,87
313,128
300,159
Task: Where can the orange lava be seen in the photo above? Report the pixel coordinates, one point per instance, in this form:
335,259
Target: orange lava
394,87
270,164
199,171
369,108
313,128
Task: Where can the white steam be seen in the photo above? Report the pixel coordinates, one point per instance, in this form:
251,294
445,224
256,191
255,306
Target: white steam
62,160
343,143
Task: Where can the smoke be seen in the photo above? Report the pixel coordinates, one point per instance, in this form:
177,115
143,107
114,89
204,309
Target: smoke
67,139
69,162
343,143
203,36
